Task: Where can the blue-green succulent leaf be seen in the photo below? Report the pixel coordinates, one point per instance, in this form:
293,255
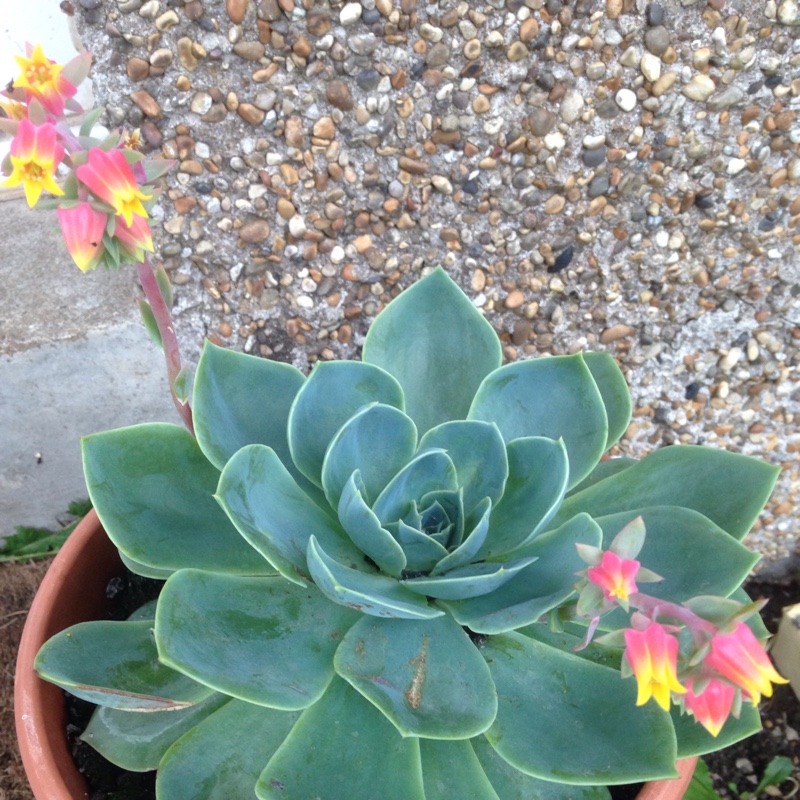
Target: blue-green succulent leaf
695,740
240,400
571,639
604,469
444,782
429,471
552,397
426,676
614,391
540,587
472,580
479,453
333,393
438,345
551,703
728,488
262,640
115,664
693,555
511,784
467,551
376,595
154,572
364,529
378,441
153,490
222,757
447,505
537,480
422,552
137,742
275,515
343,729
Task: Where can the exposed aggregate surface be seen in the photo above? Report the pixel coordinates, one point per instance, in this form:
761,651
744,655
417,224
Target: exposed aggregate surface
602,174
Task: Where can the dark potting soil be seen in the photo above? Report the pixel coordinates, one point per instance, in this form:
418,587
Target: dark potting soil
734,770
105,780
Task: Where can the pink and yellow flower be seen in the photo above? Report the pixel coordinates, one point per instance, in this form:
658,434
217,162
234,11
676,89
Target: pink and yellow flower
83,228
135,238
653,655
739,657
109,177
712,706
41,78
35,155
615,576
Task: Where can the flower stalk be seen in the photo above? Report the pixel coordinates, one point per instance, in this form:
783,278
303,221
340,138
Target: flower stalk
169,341
707,674
103,206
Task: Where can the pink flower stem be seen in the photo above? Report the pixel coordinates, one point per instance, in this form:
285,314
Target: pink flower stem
68,139
653,608
169,340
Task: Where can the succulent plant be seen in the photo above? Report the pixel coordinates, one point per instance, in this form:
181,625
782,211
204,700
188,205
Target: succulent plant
371,574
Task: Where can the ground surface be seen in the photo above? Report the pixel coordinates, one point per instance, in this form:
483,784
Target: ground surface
614,175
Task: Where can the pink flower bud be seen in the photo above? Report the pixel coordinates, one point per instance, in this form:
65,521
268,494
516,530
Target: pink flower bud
739,657
653,656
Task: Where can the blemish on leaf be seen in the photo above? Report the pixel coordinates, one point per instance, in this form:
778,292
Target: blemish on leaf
414,693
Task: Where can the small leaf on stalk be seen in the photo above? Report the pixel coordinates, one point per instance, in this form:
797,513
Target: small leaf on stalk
183,385
164,285
154,168
90,120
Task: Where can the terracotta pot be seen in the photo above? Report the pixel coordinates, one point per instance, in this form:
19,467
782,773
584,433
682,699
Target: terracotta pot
74,590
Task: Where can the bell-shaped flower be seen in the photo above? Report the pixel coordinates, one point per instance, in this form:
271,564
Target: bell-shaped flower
83,228
615,576
712,705
739,657
44,80
110,178
35,155
134,239
653,655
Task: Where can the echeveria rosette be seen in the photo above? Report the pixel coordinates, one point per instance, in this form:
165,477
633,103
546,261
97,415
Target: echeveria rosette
367,618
